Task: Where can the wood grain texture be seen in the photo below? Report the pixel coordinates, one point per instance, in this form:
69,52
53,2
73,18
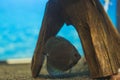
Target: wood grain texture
52,22
100,40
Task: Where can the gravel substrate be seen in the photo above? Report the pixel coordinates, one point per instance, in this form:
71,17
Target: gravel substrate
23,72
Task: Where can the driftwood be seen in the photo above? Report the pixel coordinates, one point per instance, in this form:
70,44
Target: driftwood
118,15
100,40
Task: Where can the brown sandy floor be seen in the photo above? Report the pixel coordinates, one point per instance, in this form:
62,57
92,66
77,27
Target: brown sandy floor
22,72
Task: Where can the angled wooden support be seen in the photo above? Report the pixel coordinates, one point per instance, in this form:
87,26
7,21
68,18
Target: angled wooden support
100,40
50,26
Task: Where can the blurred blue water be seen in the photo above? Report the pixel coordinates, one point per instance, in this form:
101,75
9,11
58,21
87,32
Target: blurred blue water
20,22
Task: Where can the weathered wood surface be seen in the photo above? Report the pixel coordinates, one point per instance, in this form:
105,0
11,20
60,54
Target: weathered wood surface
52,22
118,15
100,40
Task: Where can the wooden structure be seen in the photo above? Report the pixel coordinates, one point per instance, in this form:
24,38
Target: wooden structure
100,40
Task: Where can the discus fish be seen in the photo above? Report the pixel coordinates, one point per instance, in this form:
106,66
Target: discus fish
61,55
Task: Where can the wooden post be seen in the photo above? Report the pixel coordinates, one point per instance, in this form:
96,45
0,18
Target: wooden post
100,40
52,22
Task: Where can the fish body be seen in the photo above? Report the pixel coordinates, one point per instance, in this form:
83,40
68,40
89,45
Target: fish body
61,55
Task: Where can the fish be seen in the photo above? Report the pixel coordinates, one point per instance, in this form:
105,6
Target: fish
61,55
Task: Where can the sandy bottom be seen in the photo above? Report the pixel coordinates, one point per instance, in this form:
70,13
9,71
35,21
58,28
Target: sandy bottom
23,72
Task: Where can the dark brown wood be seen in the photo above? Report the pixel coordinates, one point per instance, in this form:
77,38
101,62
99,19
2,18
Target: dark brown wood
100,40
118,15
52,18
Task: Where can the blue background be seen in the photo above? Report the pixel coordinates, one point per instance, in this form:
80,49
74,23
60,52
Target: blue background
20,22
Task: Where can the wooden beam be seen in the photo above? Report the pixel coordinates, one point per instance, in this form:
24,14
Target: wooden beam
100,40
